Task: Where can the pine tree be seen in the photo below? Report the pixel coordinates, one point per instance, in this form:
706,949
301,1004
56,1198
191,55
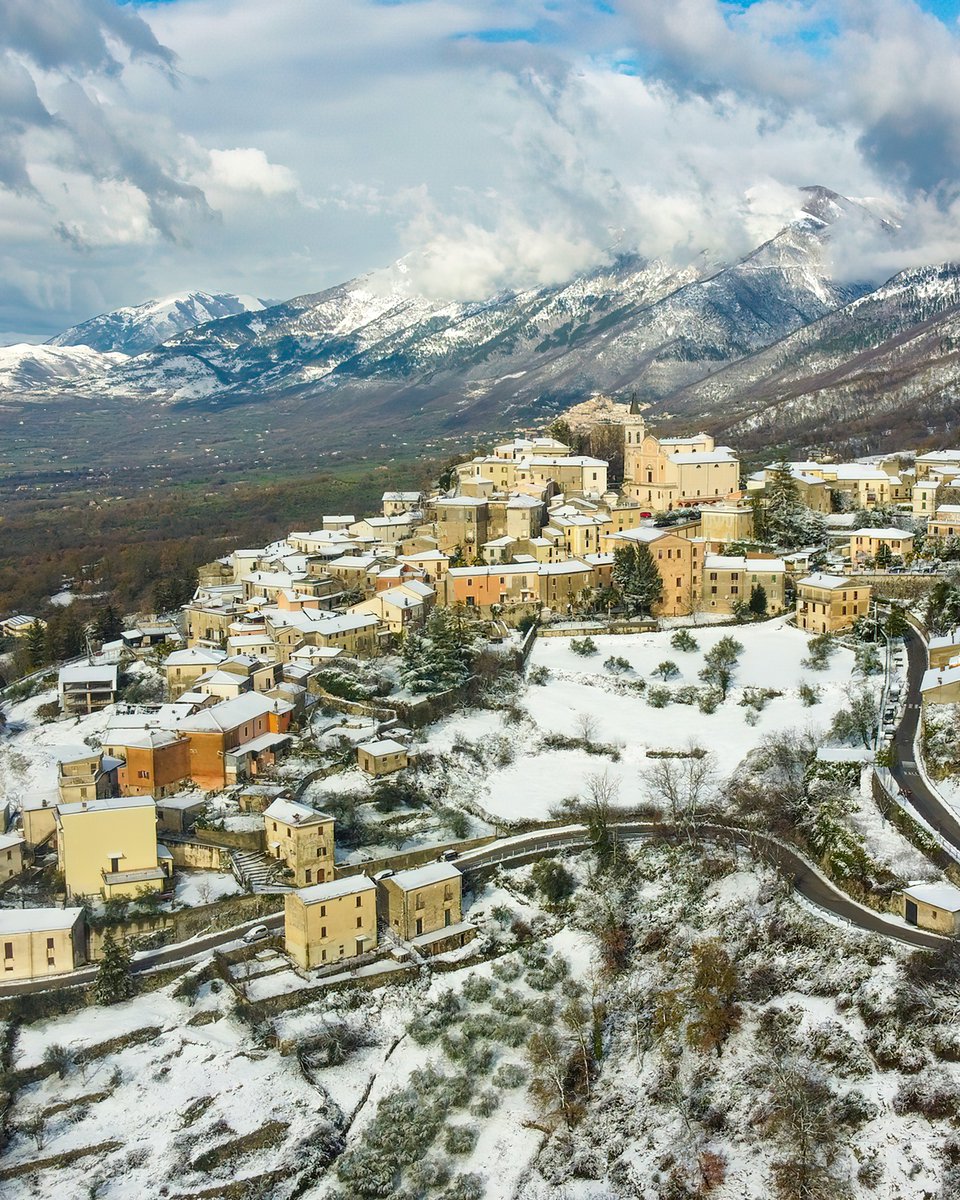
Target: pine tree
758,600
884,555
780,517
114,981
108,624
37,644
635,574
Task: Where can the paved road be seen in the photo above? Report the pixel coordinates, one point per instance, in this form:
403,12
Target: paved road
904,767
149,959
808,882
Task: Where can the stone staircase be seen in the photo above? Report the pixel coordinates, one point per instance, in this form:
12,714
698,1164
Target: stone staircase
257,871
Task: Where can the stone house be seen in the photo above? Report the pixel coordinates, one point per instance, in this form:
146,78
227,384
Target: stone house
422,900
302,839
330,921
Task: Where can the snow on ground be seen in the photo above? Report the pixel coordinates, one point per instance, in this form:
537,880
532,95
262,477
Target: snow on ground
203,887
580,687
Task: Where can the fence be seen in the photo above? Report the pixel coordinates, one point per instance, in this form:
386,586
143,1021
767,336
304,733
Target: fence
614,629
411,858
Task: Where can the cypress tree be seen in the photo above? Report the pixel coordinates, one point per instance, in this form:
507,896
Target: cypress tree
114,981
635,574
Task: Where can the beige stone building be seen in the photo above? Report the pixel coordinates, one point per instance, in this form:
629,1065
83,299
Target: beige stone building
933,906
40,941
679,561
721,524
11,857
945,522
184,667
729,580
866,543
663,473
108,847
330,921
302,839
87,777
422,900
382,757
941,684
830,603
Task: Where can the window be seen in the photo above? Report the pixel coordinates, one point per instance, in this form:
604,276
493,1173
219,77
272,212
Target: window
323,910
308,875
359,901
323,956
323,931
359,922
49,944
419,901
143,774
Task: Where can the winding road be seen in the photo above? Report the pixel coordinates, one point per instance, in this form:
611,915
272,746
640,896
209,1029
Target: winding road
904,766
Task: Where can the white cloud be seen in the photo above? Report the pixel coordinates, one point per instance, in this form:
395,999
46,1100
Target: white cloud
280,148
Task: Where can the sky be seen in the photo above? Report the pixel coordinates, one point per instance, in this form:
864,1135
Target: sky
278,147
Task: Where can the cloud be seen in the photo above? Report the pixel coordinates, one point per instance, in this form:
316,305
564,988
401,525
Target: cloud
237,145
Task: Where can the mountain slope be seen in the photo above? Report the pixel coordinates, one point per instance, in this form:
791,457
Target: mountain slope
888,358
632,324
143,326
27,368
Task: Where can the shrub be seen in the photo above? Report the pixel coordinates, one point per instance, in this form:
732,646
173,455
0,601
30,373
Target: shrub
460,1139
507,970
477,988
464,1187
933,1095
59,1057
658,697
553,879
583,646
709,701
486,1104
667,669
509,1075
538,675
819,651
616,664
682,640
688,694
808,694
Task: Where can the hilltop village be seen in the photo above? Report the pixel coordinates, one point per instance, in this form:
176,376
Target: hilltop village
344,759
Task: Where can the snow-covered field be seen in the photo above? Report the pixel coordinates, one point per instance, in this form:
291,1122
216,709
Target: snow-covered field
580,689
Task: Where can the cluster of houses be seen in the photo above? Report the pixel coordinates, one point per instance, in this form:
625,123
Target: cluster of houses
528,529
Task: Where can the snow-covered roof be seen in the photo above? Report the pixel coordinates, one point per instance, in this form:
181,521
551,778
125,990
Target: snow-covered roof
292,812
230,713
572,566
194,656
941,640
107,804
734,562
382,746
89,673
461,502
819,579
405,497
37,920
349,885
936,677
418,877
713,456
939,895
950,510
888,532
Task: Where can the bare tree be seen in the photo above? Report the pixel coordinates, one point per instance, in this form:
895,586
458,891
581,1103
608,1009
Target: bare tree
586,727
683,785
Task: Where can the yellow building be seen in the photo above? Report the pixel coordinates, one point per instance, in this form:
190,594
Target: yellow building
941,685
11,857
41,941
926,495
663,473
422,900
679,561
330,921
184,667
943,648
945,522
382,757
87,777
866,543
721,524
729,580
933,906
302,839
108,847
829,603
38,820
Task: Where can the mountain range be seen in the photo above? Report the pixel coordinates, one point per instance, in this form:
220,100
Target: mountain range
769,348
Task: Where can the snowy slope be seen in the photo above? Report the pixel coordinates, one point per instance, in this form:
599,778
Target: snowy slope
25,368
141,327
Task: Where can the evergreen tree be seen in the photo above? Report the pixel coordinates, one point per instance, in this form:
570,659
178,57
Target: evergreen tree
897,624
37,645
114,981
943,605
758,600
635,574
437,658
780,517
108,624
720,663
884,555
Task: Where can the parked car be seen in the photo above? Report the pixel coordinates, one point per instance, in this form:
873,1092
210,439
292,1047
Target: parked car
448,855
256,934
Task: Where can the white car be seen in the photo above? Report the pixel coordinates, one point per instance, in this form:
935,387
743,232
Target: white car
256,934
